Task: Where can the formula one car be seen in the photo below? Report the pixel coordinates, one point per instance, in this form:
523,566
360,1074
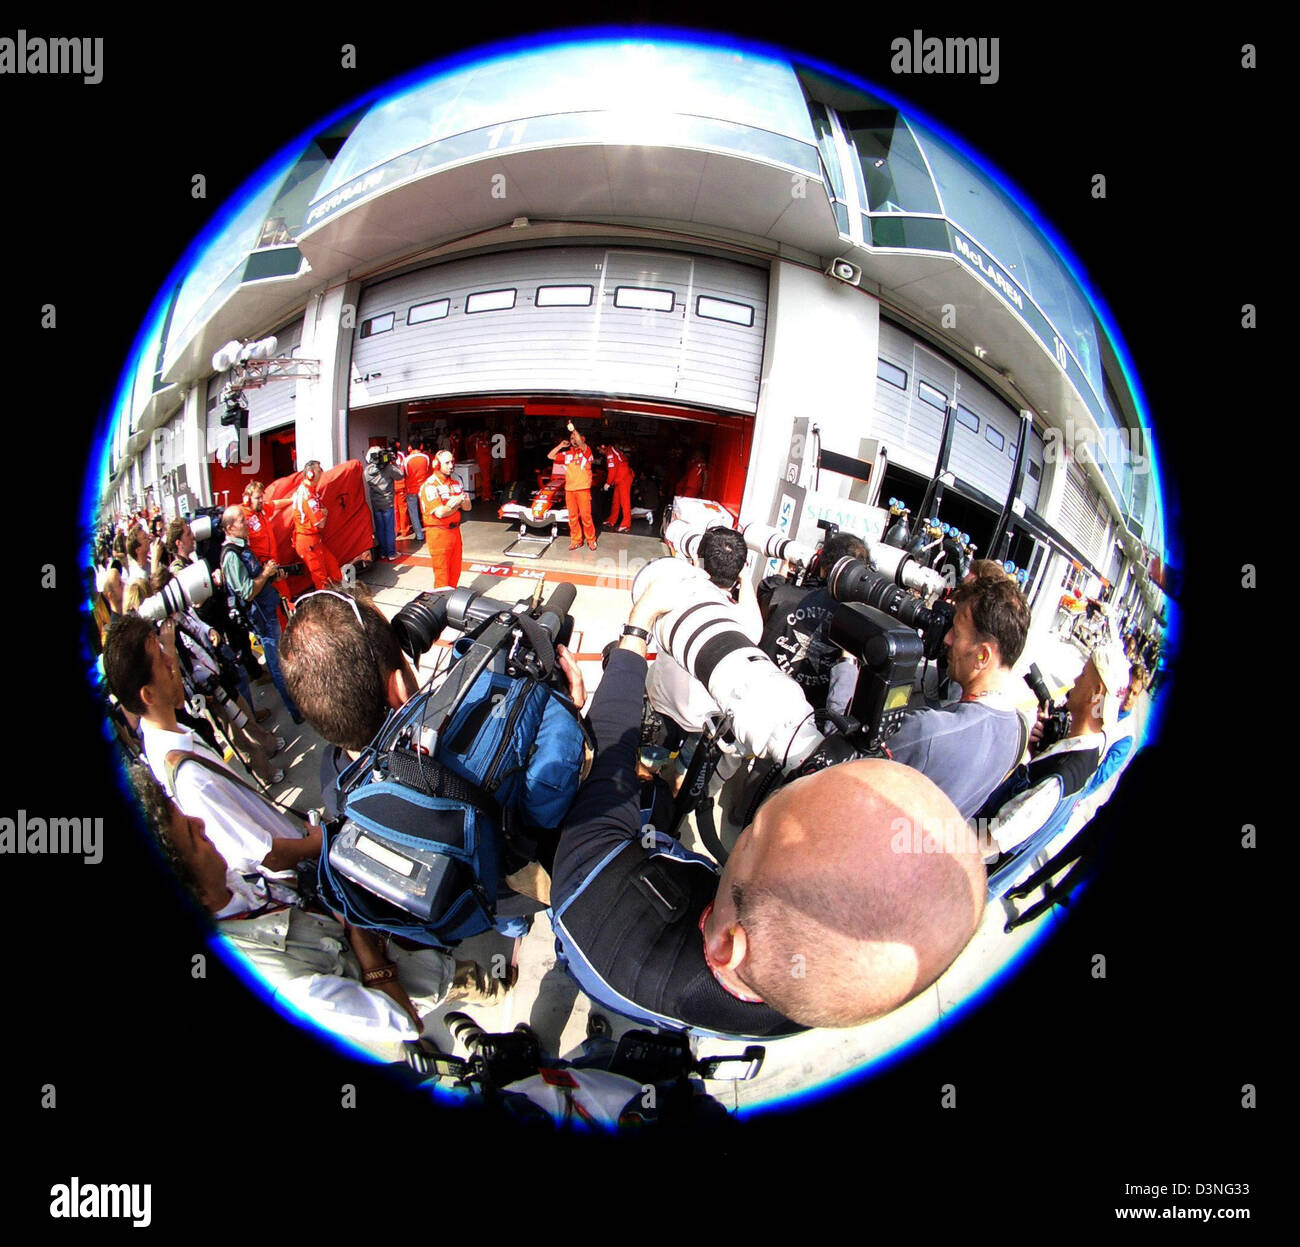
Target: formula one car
547,509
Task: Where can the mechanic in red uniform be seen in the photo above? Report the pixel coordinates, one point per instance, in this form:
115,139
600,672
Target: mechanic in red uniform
261,540
575,454
418,467
697,472
309,518
442,499
618,477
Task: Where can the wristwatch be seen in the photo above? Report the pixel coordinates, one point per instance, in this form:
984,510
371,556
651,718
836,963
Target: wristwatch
632,630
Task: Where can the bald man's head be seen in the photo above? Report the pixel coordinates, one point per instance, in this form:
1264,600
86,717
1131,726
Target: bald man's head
232,520
853,890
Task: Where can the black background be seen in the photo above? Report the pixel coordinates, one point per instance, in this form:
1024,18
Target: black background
1067,1086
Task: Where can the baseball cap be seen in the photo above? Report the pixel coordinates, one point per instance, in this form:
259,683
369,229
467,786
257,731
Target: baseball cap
1113,667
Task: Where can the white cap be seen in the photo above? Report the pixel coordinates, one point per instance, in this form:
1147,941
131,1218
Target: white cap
1113,667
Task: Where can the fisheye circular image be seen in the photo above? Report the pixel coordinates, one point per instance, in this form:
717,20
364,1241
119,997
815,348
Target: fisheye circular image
624,569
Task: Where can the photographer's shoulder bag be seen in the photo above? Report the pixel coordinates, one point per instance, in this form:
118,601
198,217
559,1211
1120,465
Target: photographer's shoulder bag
418,850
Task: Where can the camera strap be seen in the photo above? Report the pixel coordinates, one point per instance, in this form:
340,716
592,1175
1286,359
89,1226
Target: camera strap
176,757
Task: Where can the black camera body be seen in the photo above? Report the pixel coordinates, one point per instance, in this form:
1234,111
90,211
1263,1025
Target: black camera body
851,580
888,654
1057,725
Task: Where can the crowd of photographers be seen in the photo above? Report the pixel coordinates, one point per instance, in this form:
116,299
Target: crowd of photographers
861,866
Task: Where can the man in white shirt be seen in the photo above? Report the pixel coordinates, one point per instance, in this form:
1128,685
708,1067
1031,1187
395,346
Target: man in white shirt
1057,775
143,674
344,978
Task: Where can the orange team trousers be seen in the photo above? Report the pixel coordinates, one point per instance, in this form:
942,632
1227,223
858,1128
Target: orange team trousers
400,509
321,563
579,503
622,491
444,550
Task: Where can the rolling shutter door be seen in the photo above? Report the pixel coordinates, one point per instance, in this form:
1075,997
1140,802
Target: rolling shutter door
565,320
931,391
984,456
722,358
1082,516
889,424
272,405
1032,481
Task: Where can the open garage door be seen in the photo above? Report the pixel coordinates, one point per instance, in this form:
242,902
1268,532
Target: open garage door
659,440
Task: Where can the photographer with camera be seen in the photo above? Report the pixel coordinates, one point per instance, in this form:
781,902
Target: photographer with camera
1040,796
967,747
346,669
251,584
382,476
815,920
346,979
796,619
682,701
143,673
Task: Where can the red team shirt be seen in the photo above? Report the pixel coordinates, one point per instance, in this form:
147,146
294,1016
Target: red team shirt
306,510
577,467
260,540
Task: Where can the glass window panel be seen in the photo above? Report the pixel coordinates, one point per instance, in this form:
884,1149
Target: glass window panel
724,309
892,166
649,82
437,309
377,324
490,301
993,437
928,394
644,297
967,417
891,373
563,296
922,233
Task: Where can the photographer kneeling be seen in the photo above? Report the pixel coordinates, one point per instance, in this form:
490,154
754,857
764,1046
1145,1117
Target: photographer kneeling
817,918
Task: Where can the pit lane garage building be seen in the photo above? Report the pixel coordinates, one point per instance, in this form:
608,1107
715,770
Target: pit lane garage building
697,248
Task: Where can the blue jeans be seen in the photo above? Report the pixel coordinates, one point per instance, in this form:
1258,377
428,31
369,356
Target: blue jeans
413,506
268,632
386,532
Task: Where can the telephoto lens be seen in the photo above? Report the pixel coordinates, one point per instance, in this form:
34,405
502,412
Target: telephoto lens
773,544
683,538
851,580
706,635
190,587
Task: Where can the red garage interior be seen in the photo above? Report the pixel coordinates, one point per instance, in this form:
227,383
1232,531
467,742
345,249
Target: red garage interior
659,439
273,456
